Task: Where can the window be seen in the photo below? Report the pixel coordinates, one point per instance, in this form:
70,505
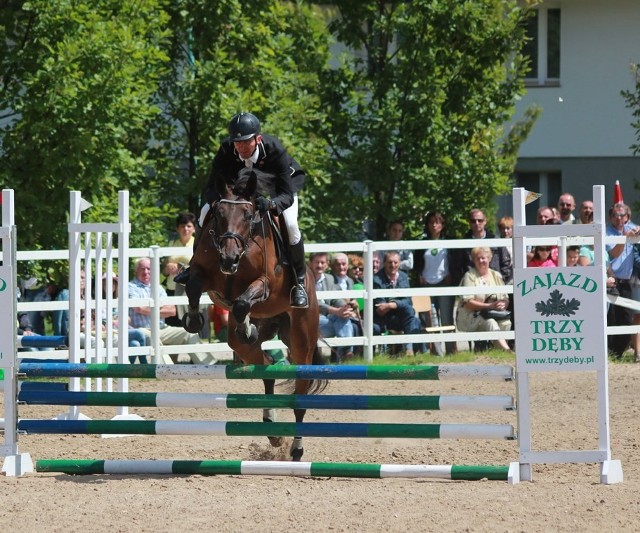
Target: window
543,47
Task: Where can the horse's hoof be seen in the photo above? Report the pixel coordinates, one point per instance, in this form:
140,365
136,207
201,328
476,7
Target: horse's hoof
240,310
193,324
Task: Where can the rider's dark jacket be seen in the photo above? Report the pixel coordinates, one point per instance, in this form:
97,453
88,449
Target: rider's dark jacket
286,175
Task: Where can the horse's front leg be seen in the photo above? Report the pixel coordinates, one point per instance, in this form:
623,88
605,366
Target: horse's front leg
258,291
193,321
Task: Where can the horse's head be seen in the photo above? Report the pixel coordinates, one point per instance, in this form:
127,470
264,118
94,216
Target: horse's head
233,221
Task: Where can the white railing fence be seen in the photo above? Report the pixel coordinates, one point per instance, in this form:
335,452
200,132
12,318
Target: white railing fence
369,341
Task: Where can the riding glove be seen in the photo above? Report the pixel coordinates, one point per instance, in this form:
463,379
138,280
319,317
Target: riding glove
264,204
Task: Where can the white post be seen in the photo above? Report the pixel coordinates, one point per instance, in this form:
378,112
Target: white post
15,463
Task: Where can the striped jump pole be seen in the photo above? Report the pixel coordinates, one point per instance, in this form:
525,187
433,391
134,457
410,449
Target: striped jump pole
267,401
274,468
254,429
383,372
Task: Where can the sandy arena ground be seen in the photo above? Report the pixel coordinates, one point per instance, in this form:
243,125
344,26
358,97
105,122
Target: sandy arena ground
561,498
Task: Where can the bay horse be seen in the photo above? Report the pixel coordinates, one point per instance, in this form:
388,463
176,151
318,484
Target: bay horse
237,263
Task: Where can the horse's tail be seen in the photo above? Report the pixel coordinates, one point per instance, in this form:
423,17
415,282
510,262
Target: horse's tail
317,385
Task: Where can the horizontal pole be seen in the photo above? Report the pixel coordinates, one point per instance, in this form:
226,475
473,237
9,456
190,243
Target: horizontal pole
373,372
284,429
266,401
274,468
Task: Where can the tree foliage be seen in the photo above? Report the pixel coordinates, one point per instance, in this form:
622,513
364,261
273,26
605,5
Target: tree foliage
79,80
102,95
632,99
417,110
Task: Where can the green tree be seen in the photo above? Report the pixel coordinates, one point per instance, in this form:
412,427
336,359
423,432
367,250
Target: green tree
226,58
79,80
417,109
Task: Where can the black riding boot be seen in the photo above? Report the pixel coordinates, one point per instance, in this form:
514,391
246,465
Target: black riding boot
299,296
183,276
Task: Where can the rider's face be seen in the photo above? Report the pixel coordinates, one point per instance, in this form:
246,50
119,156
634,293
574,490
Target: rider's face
246,148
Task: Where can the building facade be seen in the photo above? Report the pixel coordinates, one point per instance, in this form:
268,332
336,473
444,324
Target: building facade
582,52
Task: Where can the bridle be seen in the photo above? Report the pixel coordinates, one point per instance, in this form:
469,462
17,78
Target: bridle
218,240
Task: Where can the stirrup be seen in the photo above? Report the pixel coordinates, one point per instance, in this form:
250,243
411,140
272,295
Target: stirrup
299,298
182,277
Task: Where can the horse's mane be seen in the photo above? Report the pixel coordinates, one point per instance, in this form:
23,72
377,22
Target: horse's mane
265,183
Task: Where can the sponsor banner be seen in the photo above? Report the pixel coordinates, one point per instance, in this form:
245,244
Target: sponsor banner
560,319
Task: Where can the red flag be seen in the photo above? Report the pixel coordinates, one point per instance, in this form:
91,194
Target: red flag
617,193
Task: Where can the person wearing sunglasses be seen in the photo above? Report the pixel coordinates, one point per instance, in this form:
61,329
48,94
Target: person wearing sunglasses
461,261
541,257
621,267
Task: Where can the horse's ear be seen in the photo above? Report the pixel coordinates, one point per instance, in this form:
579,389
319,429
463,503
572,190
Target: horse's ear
250,187
221,188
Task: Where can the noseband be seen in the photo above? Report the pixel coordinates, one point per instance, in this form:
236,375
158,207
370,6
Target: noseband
218,240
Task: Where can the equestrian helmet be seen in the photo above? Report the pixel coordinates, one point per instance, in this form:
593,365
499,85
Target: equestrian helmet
243,126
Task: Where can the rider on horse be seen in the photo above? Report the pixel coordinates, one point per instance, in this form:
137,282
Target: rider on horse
246,147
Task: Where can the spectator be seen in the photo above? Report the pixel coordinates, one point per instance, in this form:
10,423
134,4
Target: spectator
432,270
586,212
395,232
483,312
396,312
377,261
356,268
24,328
356,273
462,260
566,207
621,266
136,337
541,257
573,256
543,215
505,227
586,217
336,314
185,229
140,316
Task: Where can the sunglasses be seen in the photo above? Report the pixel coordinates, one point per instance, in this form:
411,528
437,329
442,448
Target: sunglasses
477,220
543,249
355,269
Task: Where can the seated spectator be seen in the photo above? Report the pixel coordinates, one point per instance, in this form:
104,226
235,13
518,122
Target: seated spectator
335,314
573,256
541,257
484,312
396,313
185,229
356,268
140,316
136,337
